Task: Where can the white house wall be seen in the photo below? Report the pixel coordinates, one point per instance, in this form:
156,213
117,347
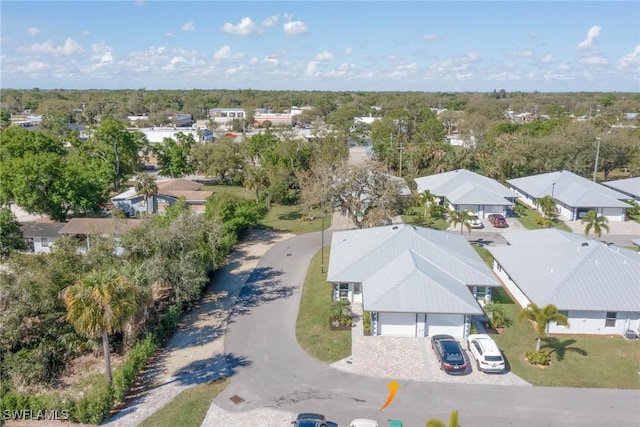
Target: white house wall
513,289
593,323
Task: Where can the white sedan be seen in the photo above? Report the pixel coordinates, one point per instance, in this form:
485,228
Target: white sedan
363,422
486,352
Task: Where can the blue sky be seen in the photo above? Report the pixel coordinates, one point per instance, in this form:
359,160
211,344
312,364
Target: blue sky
426,46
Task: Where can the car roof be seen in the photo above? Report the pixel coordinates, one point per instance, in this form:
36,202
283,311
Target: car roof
489,346
311,416
363,422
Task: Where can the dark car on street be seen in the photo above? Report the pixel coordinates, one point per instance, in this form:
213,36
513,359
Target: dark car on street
308,419
449,353
498,220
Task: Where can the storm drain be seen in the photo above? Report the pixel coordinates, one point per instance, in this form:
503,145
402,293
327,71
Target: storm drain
236,399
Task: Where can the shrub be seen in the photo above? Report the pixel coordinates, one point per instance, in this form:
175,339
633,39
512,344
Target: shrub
366,322
33,366
496,314
473,329
125,376
340,311
539,357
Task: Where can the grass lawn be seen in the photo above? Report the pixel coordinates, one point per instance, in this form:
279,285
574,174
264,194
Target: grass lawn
292,219
529,221
188,408
312,325
484,254
576,360
415,216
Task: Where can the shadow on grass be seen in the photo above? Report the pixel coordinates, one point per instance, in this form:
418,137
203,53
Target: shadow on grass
289,216
560,348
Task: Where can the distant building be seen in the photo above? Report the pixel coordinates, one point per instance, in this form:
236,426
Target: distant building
226,115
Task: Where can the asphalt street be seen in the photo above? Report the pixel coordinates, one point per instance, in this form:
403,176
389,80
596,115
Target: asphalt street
271,370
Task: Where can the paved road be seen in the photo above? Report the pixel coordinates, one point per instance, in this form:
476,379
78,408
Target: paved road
271,370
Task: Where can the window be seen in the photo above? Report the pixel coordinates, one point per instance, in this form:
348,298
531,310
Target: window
44,242
610,320
343,290
357,288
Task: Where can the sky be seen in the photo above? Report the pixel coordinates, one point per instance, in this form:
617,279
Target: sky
430,46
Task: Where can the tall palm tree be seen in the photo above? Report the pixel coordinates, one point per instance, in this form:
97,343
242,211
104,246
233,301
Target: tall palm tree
549,208
426,198
100,304
147,187
463,218
256,179
595,222
542,316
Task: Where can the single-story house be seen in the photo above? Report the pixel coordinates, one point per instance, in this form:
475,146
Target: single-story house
627,186
40,236
84,228
594,284
465,190
574,195
169,191
414,281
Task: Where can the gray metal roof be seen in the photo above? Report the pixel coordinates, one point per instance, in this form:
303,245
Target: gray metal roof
571,272
409,268
570,189
465,187
629,186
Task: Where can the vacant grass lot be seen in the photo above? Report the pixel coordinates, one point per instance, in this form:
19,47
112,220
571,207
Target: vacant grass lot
294,219
312,325
231,189
187,409
576,360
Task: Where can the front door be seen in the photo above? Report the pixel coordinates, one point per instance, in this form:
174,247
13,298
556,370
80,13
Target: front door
357,293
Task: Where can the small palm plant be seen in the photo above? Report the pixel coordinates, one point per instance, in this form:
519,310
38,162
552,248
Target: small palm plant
595,222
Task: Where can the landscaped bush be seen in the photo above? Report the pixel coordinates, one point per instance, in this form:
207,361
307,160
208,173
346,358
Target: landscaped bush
340,313
125,376
538,357
366,322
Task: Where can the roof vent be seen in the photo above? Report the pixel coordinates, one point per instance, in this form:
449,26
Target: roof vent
584,244
395,227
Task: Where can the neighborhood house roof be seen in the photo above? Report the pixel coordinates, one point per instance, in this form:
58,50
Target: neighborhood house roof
190,196
99,226
556,267
178,184
407,269
33,229
463,187
630,186
570,189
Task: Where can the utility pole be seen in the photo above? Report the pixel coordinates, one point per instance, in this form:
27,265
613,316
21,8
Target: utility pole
595,167
401,149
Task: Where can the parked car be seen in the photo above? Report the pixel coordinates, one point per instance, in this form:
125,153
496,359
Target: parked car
395,423
498,220
449,353
363,422
309,419
474,221
486,352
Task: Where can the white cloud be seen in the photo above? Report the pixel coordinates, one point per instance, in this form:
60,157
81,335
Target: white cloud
102,53
472,56
348,51
254,61
188,26
295,28
33,31
555,76
522,53
69,47
324,56
86,33
533,35
431,37
271,60
288,16
246,27
594,60
631,59
270,21
564,67
312,69
547,59
589,44
168,34
225,53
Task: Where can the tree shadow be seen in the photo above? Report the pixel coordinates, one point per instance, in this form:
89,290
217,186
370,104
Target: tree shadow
289,216
211,369
261,287
560,348
481,242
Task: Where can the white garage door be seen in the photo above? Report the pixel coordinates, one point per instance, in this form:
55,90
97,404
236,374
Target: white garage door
397,324
489,209
450,324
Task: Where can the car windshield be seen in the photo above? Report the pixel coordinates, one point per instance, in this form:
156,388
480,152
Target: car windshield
494,358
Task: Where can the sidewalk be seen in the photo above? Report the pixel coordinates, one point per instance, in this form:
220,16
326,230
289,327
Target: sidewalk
195,354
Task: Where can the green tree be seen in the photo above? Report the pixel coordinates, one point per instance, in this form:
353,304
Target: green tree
147,187
256,179
549,208
425,199
5,119
174,156
11,237
595,222
463,218
223,158
100,304
542,318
